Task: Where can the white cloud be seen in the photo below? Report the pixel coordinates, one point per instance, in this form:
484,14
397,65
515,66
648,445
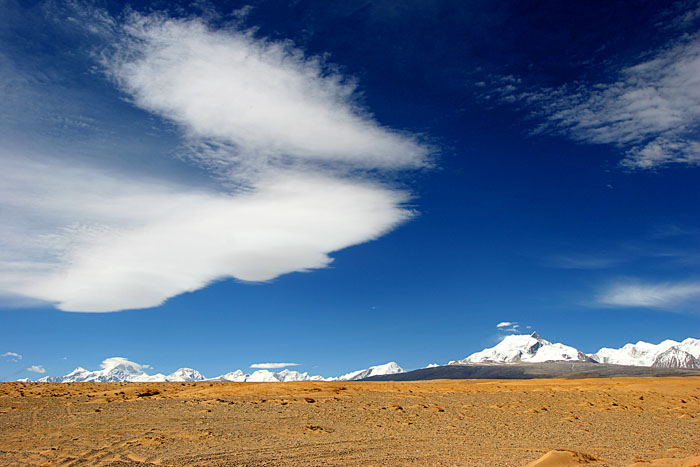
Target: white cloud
89,241
256,101
651,110
508,326
15,357
660,295
273,365
37,369
283,138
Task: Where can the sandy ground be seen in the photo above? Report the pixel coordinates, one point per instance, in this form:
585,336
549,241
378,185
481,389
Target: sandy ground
545,423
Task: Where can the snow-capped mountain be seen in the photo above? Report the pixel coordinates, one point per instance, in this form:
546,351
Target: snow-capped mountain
524,348
675,358
185,374
119,369
234,376
668,352
266,376
532,348
390,368
114,369
512,349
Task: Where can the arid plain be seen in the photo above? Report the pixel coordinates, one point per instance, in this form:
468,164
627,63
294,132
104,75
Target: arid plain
610,421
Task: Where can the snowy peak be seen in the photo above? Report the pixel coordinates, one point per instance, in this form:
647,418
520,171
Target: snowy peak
532,348
690,345
234,376
291,375
267,376
114,369
664,354
79,374
675,358
390,368
524,348
185,374
639,354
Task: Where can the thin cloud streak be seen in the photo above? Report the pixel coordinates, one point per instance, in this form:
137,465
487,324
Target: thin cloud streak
576,261
650,295
15,357
508,326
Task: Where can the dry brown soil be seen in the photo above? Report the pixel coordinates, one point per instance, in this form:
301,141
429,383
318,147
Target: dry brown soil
615,422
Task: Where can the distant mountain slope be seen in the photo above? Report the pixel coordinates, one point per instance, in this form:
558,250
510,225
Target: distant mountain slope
675,358
533,371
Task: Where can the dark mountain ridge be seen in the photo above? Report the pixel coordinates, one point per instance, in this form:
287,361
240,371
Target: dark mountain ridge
572,370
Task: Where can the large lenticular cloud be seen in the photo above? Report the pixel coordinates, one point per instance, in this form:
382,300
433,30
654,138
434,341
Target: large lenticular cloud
265,98
263,119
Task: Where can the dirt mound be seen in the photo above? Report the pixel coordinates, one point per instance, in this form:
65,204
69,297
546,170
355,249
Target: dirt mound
562,459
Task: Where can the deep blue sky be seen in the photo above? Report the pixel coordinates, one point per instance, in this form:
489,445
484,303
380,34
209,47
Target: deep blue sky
559,188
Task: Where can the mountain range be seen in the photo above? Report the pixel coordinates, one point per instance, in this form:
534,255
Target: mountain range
119,369
513,349
524,348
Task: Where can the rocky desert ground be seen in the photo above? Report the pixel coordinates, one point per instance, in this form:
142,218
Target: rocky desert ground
555,422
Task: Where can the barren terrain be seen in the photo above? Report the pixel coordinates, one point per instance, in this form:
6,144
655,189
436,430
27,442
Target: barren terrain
613,421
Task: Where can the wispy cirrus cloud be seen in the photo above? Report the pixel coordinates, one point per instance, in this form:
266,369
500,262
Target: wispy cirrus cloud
273,365
665,295
650,110
582,261
15,357
280,133
508,326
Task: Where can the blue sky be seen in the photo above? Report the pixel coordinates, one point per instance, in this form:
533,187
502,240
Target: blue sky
340,184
